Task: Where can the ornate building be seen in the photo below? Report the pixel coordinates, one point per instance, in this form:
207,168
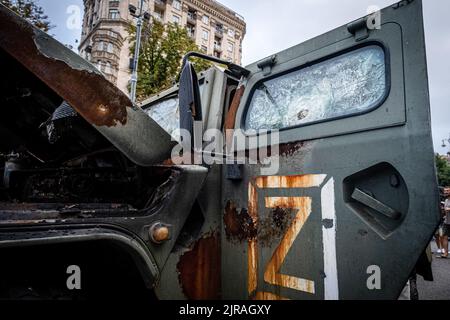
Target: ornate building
216,30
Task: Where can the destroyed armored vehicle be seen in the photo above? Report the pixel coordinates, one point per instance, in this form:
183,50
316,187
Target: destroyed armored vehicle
94,204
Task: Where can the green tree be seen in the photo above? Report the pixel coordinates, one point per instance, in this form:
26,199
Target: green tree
31,11
443,169
162,50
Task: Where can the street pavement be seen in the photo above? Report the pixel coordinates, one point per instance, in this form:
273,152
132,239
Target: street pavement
439,289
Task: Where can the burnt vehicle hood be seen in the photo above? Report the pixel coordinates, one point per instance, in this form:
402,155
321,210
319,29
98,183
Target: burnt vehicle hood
85,89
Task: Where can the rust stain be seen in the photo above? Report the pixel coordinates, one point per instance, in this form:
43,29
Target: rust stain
261,296
252,256
272,273
232,112
252,248
274,226
88,92
231,116
284,202
200,269
253,202
239,226
289,182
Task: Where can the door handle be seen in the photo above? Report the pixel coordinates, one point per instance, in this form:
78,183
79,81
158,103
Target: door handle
369,201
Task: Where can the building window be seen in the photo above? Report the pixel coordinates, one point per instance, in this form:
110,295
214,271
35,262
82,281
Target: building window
158,15
205,19
176,19
205,35
100,65
190,30
109,47
108,67
219,28
176,4
204,49
230,47
192,15
231,32
114,14
112,34
114,3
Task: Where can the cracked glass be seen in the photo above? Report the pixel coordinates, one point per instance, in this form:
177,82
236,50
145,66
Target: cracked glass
348,84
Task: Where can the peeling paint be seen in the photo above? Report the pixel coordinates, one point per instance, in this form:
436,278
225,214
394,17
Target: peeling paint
272,228
200,269
239,226
328,223
75,80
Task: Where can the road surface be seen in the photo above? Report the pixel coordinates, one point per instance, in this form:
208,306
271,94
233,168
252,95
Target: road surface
439,289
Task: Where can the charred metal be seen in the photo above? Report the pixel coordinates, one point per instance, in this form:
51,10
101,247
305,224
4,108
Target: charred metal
274,226
239,226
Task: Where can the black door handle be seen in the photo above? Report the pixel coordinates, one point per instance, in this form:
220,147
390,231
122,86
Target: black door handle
374,204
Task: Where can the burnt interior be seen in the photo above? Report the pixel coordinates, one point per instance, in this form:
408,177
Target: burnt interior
50,157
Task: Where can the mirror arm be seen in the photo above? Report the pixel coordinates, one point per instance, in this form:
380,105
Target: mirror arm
237,70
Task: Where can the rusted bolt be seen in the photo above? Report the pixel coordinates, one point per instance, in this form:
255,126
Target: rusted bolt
159,233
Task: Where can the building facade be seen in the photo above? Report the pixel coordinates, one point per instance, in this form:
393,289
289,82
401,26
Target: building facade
217,31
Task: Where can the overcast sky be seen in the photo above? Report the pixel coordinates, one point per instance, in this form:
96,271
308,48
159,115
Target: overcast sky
274,25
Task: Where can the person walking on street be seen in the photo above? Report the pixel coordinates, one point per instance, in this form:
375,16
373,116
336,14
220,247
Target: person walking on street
444,238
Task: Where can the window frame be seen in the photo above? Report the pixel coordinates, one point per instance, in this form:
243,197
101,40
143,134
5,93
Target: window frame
377,104
205,32
178,6
176,17
114,14
230,47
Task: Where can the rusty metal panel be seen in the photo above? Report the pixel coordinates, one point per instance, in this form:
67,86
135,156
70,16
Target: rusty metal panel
79,83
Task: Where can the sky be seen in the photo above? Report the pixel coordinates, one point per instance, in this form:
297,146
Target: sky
273,26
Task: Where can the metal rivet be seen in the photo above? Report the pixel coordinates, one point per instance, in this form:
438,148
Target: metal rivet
159,233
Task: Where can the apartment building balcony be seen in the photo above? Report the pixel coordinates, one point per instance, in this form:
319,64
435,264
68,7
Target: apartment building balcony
109,35
218,32
191,34
96,54
218,48
192,17
158,16
190,28
160,4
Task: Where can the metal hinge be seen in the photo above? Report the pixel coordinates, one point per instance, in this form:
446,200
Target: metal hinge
402,4
359,29
267,64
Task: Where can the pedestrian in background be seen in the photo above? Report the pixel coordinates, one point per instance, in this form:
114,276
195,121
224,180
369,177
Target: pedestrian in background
446,228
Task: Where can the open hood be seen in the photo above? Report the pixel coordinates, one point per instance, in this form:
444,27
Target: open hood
84,88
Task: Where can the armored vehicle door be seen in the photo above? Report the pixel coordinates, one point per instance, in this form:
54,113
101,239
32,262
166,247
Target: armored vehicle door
351,202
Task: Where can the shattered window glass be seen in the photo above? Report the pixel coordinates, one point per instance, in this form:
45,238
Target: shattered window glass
348,84
167,114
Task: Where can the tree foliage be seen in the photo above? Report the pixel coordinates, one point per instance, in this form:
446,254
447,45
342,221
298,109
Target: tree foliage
443,170
162,50
31,11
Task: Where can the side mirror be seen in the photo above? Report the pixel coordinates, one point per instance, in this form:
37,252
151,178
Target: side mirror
190,101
